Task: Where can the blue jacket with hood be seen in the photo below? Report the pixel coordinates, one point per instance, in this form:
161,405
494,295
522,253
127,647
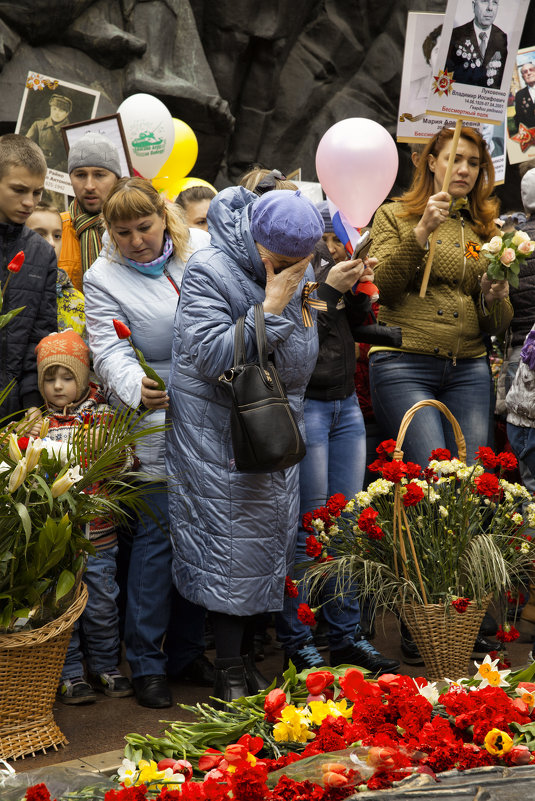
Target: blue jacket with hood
233,533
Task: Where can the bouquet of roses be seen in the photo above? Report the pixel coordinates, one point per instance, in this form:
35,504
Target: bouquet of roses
505,254
463,534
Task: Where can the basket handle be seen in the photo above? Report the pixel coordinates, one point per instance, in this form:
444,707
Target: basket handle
409,414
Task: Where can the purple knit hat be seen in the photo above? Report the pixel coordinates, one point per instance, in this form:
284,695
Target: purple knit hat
286,223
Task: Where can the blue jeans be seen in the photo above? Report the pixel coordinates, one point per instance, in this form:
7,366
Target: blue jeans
151,597
522,441
334,462
96,632
399,380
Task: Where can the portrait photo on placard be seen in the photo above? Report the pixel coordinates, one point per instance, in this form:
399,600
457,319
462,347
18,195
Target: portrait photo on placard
422,39
476,58
47,105
521,108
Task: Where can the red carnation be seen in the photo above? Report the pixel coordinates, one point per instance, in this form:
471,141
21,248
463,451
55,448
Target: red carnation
440,455
313,547
322,514
121,329
487,484
487,457
413,494
367,519
290,588
336,503
14,266
38,792
386,446
507,633
306,521
394,471
460,604
274,703
306,615
376,466
413,470
507,461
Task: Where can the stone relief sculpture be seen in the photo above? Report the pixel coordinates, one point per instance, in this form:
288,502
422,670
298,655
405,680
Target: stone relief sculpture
257,81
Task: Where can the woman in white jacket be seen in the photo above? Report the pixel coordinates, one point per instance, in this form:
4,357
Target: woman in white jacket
136,280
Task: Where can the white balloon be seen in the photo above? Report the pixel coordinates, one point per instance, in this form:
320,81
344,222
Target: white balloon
149,131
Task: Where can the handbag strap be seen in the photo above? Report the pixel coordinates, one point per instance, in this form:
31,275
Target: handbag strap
261,339
239,342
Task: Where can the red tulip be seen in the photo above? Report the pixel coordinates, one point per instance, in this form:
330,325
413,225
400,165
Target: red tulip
184,767
16,262
122,330
235,753
210,759
163,764
318,680
334,779
274,703
519,755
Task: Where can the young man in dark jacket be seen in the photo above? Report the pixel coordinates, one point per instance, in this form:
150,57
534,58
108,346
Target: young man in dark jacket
22,175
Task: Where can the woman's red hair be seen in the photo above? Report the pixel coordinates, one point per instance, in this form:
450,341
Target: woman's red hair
484,208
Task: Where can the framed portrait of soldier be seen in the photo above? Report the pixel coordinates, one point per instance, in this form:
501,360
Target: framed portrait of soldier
521,108
476,58
110,126
48,104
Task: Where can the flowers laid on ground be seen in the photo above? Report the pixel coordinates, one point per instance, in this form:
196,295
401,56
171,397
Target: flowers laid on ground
505,254
462,532
326,733
45,508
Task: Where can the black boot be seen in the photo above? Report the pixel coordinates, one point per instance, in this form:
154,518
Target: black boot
256,682
230,680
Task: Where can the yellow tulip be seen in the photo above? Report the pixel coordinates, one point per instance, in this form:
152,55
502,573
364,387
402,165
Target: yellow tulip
498,742
17,476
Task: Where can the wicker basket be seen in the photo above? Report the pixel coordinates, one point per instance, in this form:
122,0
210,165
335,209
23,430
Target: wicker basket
30,669
444,637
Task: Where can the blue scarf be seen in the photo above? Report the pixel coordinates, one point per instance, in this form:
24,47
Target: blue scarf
156,267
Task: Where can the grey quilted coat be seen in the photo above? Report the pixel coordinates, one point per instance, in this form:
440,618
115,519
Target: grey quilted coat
233,533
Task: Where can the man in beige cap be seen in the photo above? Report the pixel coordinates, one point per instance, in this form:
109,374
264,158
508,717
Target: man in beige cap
47,132
94,169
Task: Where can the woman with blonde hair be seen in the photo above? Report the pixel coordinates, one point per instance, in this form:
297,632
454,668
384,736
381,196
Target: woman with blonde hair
136,280
443,355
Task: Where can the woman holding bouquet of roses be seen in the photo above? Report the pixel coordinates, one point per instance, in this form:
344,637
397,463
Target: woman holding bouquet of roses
443,356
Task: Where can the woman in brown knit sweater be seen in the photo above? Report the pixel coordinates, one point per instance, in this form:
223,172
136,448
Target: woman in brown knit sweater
443,355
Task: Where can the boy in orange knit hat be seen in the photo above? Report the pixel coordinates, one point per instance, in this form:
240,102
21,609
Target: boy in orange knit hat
72,401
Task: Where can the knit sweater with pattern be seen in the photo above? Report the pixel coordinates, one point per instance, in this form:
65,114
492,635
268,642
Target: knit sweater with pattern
63,424
450,320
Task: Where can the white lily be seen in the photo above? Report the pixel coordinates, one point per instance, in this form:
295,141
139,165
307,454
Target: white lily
429,691
17,476
33,453
66,481
14,451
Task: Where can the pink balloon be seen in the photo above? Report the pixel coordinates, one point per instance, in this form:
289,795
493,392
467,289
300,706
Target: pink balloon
357,162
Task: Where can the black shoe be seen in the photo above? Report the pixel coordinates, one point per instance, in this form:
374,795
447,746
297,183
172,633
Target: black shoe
200,672
256,682
230,681
489,627
305,658
152,691
362,654
482,647
409,651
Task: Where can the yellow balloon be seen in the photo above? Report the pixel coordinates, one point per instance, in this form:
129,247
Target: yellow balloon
183,155
189,181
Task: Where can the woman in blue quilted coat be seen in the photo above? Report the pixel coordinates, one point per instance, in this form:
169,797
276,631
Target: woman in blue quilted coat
234,533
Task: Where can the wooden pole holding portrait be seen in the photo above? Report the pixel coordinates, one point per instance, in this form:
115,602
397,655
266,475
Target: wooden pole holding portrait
445,187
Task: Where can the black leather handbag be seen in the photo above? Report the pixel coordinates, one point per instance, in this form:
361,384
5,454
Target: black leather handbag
265,435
